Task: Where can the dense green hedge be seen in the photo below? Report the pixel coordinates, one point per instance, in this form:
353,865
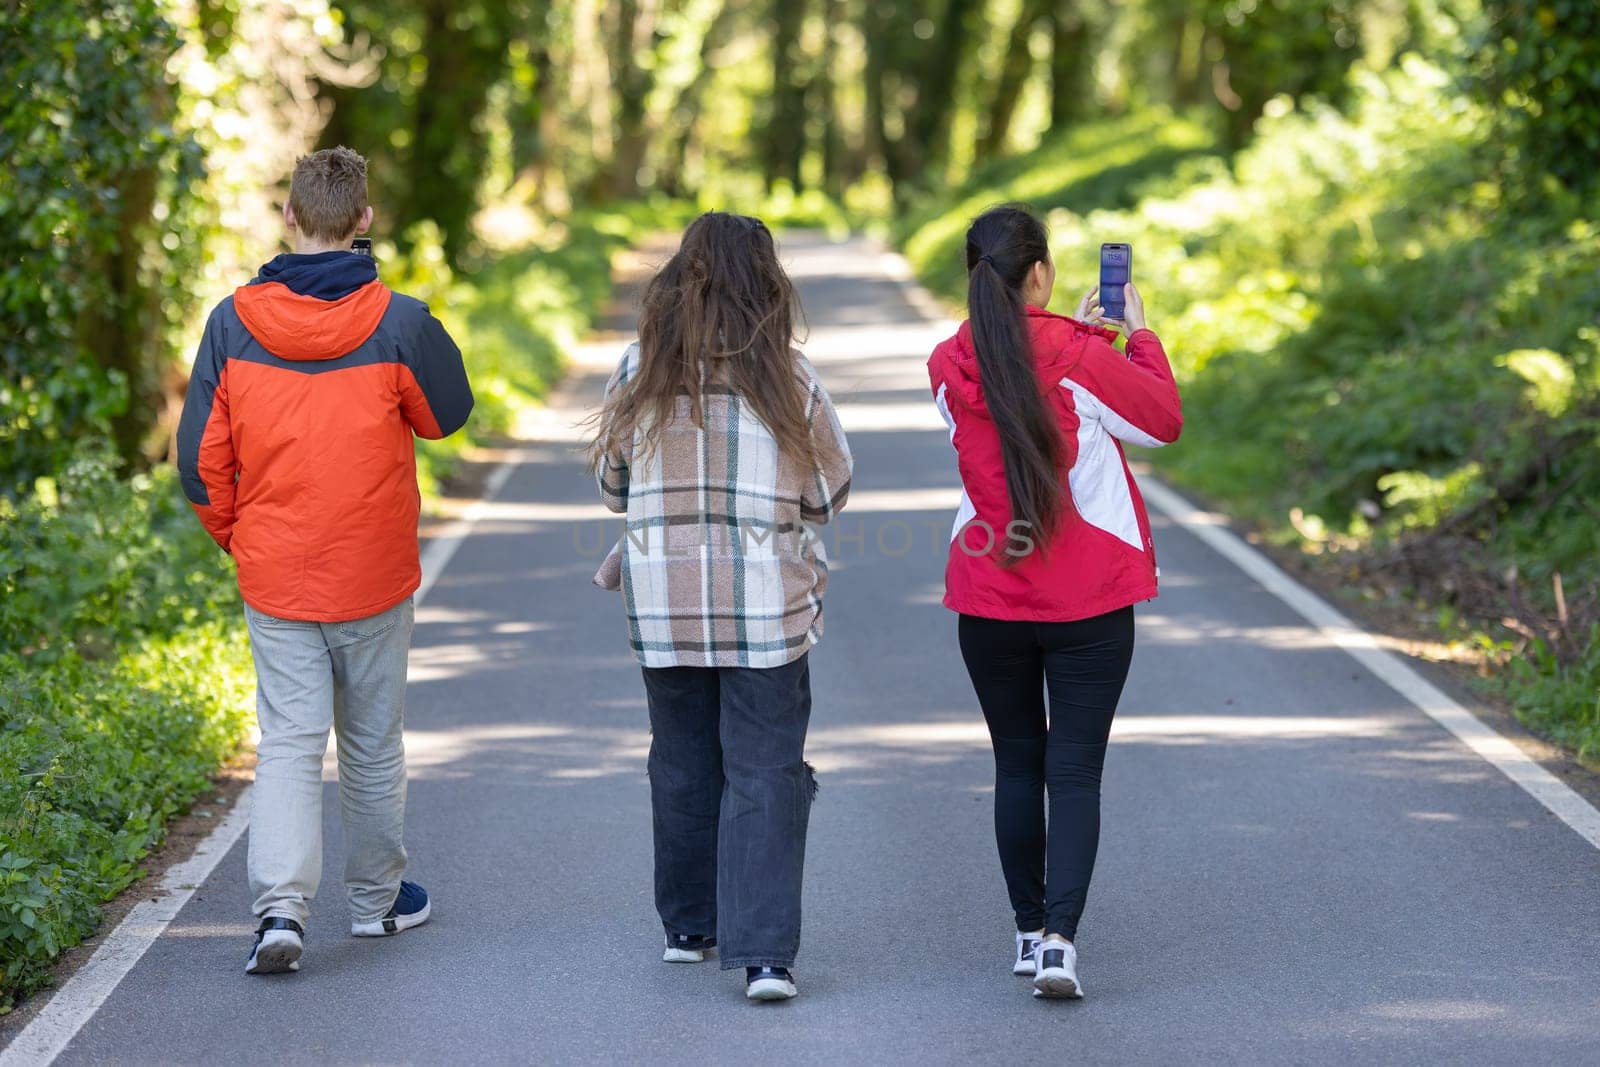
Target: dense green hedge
123,683
1388,345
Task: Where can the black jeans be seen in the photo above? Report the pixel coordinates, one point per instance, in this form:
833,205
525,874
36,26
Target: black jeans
731,794
1083,665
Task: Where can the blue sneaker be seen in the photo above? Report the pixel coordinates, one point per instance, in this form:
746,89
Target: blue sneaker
410,909
279,943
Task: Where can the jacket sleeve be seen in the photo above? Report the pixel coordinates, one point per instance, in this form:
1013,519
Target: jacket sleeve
208,468
611,473
1134,397
434,392
829,486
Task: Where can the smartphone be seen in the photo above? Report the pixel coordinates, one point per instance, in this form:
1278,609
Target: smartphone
362,246
1116,270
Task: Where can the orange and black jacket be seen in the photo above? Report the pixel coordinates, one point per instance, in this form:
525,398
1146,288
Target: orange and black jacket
295,442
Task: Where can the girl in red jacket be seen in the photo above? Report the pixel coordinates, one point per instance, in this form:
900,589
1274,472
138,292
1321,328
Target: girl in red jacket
1051,549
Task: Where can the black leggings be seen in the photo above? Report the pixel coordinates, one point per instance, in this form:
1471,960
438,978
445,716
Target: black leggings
1083,665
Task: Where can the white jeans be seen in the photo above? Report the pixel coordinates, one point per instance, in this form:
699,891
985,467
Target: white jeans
310,676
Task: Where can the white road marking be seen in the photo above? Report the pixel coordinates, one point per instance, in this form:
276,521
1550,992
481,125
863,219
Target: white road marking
75,1003
1499,751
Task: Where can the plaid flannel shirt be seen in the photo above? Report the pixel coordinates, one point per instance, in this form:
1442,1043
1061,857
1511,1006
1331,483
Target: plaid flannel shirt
720,566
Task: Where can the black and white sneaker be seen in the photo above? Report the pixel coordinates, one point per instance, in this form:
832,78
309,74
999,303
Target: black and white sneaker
279,943
411,908
1026,943
769,983
687,948
1056,970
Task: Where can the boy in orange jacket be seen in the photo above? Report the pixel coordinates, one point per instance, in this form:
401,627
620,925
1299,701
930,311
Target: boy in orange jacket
295,448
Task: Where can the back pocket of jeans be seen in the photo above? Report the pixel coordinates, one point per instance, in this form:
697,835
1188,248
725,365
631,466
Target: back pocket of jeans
372,626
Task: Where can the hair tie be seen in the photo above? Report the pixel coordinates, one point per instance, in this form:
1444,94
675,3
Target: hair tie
986,258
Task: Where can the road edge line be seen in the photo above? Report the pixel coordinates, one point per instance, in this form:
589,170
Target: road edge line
1560,799
71,1007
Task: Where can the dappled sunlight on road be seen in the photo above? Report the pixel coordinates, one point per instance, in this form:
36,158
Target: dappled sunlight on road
532,752
1156,628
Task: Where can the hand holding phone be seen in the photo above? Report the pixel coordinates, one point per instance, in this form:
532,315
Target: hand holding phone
1090,311
1133,312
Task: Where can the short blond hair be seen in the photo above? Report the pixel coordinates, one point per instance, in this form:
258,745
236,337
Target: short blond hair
328,193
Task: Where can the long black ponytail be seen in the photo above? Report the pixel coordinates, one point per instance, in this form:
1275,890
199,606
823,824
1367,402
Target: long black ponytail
1003,244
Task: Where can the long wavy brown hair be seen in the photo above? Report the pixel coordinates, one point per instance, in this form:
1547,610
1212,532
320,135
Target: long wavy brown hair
721,311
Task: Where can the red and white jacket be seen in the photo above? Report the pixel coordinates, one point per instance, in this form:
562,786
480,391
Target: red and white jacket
1101,556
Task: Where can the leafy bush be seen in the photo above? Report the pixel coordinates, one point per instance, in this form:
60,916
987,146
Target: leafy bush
124,681
1388,345
1539,60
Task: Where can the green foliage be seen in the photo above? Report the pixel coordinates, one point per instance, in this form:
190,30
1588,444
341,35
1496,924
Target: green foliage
90,563
513,316
1382,347
124,681
1540,61
1103,165
90,153
1270,47
1560,698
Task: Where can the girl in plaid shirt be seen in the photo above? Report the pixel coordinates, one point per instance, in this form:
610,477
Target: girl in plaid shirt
719,443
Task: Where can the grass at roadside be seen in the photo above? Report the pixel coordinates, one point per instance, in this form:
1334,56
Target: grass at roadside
125,673
1390,356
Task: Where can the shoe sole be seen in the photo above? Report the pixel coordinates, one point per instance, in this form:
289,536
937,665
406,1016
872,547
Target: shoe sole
401,922
767,989
1057,985
1027,969
684,955
275,956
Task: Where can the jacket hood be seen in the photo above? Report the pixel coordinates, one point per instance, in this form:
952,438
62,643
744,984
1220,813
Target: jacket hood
1051,361
313,307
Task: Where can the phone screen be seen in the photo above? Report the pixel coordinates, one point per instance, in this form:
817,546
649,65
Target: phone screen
1116,270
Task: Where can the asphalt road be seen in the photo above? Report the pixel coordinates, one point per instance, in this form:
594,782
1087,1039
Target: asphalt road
1296,865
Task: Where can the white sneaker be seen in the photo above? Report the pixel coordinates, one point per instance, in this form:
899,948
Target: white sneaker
769,983
1056,970
687,948
1026,943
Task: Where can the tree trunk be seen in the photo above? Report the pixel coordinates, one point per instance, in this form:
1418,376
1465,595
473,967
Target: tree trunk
463,61
527,114
833,176
1188,61
687,109
928,143
786,133
875,26
1014,72
121,333
630,37
1071,61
